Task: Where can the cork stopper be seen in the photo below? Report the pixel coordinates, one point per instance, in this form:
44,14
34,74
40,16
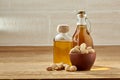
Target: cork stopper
81,14
62,28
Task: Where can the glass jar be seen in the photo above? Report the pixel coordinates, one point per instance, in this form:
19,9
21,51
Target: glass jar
62,45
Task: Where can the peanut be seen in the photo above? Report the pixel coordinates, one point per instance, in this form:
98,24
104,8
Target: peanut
73,68
89,47
91,50
84,51
74,50
77,47
60,66
67,67
82,47
53,65
49,69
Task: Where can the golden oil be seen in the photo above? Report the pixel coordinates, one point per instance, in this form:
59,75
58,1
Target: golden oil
82,35
61,51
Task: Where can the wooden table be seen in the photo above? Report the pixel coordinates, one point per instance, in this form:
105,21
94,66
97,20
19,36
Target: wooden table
31,62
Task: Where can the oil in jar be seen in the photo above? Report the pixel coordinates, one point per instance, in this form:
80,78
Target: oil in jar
61,51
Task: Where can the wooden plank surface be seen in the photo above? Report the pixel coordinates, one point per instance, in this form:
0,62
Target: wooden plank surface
31,62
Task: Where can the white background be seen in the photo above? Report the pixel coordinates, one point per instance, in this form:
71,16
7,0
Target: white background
34,22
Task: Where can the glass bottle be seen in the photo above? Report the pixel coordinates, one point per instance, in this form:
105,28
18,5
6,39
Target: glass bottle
62,45
82,34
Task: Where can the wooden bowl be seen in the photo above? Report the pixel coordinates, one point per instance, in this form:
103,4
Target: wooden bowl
83,62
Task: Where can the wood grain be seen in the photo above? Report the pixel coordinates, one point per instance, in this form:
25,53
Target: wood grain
30,62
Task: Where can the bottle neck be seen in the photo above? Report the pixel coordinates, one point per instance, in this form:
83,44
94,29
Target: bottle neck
81,21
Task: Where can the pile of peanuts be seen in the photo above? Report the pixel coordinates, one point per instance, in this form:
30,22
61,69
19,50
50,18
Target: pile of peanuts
83,49
61,66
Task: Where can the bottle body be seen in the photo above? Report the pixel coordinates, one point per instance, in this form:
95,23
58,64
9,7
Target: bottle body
82,35
62,45
61,51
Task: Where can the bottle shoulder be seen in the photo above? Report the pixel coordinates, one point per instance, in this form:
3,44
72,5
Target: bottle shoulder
62,37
